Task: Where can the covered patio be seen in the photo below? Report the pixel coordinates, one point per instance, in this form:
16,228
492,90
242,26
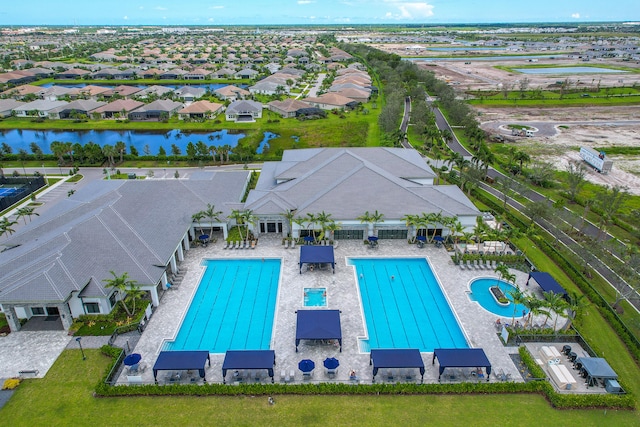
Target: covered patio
318,325
396,358
546,282
317,255
181,361
249,359
461,358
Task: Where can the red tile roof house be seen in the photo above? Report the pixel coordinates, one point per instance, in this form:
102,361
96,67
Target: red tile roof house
118,109
201,110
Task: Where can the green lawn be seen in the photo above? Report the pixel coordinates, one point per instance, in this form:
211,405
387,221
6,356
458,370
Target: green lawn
64,397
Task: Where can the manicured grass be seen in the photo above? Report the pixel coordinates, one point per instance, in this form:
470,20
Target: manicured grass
64,397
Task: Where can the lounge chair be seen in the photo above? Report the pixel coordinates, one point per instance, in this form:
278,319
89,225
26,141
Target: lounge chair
283,376
292,375
462,266
335,244
476,264
286,244
226,245
469,265
293,243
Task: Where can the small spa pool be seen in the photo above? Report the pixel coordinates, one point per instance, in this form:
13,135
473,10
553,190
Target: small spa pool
315,297
481,294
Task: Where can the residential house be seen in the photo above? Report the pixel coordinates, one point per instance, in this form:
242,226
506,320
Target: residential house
200,110
75,109
38,108
118,109
73,73
287,108
157,110
190,93
243,111
331,101
154,90
246,73
8,105
231,93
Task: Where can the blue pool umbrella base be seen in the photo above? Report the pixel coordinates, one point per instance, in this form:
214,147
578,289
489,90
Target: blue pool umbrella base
331,363
306,365
132,359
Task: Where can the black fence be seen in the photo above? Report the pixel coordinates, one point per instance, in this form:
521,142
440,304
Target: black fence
25,185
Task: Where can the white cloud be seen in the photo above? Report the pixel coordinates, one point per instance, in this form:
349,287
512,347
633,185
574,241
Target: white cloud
216,7
160,8
125,17
575,15
141,8
409,10
305,1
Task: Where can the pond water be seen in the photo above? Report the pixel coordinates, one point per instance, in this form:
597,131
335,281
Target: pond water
22,138
484,58
463,48
209,86
568,70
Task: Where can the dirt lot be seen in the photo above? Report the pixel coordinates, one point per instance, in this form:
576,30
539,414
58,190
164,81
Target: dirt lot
572,130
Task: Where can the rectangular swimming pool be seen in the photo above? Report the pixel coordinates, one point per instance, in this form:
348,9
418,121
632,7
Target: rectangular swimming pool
233,307
404,306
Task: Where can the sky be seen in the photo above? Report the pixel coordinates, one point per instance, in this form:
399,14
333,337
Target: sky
306,12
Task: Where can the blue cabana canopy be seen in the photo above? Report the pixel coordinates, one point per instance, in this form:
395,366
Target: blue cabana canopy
396,358
461,358
317,255
249,359
181,361
597,368
546,282
318,325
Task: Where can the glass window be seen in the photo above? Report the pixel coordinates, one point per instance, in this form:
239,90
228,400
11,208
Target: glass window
92,308
37,311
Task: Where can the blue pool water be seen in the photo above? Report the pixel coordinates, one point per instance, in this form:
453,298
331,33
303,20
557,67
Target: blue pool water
315,297
482,295
233,307
404,306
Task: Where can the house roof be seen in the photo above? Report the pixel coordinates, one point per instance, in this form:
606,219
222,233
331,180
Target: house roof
391,180
74,245
22,90
119,105
9,104
41,105
330,99
244,106
200,107
85,105
160,105
231,91
288,105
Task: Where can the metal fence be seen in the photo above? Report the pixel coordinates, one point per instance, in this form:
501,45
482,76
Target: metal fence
27,184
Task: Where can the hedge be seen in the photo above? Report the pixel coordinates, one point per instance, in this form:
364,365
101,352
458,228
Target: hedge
542,387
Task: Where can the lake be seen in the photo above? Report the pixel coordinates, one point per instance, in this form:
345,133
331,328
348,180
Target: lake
484,58
22,138
568,70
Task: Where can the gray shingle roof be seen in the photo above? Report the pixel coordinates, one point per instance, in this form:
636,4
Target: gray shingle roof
125,226
347,182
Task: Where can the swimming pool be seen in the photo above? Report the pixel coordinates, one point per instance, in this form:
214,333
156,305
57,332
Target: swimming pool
404,306
315,297
480,293
233,307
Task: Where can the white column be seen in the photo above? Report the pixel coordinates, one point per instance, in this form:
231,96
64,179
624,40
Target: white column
180,253
225,232
154,295
174,265
185,242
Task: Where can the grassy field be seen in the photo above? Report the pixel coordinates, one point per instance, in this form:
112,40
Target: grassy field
64,397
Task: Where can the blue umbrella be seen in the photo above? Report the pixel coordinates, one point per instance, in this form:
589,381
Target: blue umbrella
331,363
132,359
306,365
439,239
421,238
373,239
204,237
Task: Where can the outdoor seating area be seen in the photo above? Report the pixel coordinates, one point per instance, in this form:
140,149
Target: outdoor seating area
484,248
241,244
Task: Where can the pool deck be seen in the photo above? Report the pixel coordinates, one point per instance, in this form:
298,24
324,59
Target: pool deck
477,324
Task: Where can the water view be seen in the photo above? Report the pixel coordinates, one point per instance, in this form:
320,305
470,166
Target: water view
144,141
485,58
569,70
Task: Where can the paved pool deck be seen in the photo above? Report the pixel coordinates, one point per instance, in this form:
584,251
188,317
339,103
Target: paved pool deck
477,324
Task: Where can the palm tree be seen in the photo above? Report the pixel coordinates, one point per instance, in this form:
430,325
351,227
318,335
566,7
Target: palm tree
26,212
248,218
557,304
535,307
332,227
5,226
371,219
122,284
289,215
135,293
311,221
576,304
120,147
197,217
212,214
517,297
323,219
300,222
456,229
412,222
236,215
